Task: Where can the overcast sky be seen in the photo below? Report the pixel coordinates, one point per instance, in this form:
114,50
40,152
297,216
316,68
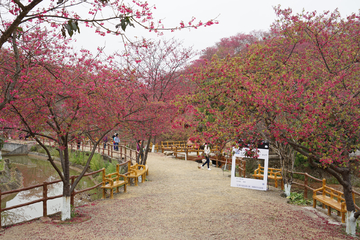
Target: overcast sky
234,16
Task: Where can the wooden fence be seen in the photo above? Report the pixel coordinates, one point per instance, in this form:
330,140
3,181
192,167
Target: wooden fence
306,185
123,152
108,149
45,196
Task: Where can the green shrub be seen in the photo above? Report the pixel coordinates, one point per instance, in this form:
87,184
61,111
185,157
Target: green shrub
96,163
54,152
111,168
301,160
299,176
298,199
98,178
1,165
77,157
41,150
34,148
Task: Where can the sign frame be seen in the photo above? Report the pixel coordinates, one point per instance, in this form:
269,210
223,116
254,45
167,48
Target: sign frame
249,183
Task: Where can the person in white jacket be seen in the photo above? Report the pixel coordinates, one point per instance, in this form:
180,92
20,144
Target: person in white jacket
207,156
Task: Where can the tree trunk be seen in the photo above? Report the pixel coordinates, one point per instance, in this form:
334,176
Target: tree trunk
350,205
287,159
143,162
66,208
153,146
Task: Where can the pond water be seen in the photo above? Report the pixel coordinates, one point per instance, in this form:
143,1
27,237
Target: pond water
36,171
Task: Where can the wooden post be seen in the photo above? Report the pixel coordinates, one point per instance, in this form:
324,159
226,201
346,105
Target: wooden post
305,183
112,150
323,192
45,199
125,155
121,152
244,162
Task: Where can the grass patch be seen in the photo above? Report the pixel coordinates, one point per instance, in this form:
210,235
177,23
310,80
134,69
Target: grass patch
80,158
1,165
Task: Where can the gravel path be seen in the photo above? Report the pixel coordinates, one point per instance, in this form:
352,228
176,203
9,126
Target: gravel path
179,201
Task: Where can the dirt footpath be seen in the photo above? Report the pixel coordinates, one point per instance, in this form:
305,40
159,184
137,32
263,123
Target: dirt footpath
180,201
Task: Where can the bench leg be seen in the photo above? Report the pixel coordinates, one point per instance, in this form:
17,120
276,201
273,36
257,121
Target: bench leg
143,178
111,194
338,213
329,210
276,185
282,184
314,203
104,192
136,181
343,217
117,189
125,187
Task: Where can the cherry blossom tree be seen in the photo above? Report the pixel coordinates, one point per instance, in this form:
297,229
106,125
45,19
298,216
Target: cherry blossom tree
65,96
106,17
299,87
158,67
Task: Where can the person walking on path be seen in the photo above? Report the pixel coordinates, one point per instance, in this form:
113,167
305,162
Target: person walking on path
105,140
116,142
207,156
138,148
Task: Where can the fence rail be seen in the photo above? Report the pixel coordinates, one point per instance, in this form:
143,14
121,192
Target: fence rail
45,196
109,149
307,187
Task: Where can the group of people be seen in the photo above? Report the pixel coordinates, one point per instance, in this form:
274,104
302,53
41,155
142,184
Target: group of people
116,141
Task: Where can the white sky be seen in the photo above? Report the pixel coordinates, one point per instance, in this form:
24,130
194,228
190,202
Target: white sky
234,16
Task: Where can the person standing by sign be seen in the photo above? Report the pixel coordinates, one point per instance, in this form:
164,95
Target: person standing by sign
207,156
116,142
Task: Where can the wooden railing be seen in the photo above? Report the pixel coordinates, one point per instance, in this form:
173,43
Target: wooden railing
306,185
45,196
186,150
123,152
167,144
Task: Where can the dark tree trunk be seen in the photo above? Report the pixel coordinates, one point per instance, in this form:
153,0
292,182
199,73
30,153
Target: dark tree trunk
66,172
143,162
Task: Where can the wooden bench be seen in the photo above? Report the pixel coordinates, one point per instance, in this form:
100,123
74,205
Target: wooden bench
112,180
137,170
331,198
273,173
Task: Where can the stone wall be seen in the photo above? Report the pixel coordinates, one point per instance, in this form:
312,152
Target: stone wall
15,149
10,178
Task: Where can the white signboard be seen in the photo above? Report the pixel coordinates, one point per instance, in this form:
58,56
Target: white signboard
257,184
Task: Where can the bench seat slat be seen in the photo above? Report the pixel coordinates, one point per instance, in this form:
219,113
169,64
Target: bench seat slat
115,184
330,202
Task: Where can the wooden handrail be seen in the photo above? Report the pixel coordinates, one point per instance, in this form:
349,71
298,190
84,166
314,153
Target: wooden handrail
45,198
